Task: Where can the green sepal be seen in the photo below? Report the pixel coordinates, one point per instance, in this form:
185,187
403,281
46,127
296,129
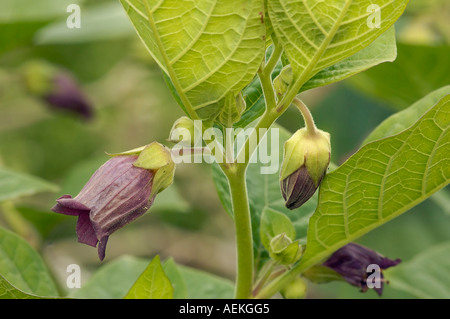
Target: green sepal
157,157
183,131
284,250
38,77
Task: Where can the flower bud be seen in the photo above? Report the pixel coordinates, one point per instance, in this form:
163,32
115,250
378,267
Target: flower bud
352,262
117,193
284,250
283,80
295,289
183,131
306,159
280,242
57,87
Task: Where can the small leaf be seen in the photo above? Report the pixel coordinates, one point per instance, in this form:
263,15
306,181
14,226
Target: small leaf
23,267
274,223
425,276
153,283
15,184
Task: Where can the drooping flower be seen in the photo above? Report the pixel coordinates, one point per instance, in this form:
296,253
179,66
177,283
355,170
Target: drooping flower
67,95
352,262
57,87
306,159
120,191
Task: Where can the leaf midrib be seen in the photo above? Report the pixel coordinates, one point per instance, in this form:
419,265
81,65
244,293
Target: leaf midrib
172,75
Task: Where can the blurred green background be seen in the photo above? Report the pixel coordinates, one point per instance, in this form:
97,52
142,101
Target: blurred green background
133,106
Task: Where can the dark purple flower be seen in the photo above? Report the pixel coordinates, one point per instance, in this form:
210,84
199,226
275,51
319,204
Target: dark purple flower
298,188
352,261
66,95
116,194
305,162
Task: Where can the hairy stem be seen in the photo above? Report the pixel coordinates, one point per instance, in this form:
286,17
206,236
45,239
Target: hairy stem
243,227
278,283
309,121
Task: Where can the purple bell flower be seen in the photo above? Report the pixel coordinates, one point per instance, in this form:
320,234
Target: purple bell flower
57,87
67,95
352,261
116,194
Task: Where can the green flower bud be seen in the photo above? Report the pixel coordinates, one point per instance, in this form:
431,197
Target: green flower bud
56,87
284,250
306,159
280,242
283,80
183,131
295,289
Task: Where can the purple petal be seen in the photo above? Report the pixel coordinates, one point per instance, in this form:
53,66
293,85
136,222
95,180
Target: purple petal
68,206
102,247
85,231
68,96
385,263
351,262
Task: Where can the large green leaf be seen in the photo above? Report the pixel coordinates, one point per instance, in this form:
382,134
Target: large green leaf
153,283
317,35
202,285
22,266
383,49
15,184
114,280
382,180
421,69
8,291
404,119
425,276
210,49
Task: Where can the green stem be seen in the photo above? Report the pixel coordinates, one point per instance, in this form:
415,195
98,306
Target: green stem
309,121
278,283
242,220
274,57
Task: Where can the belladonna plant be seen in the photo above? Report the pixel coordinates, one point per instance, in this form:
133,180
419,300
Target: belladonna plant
240,65
120,191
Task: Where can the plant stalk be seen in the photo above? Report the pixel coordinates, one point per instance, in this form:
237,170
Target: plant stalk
243,228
